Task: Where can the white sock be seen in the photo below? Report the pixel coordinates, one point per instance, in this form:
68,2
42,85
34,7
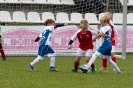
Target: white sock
52,61
39,58
93,58
114,65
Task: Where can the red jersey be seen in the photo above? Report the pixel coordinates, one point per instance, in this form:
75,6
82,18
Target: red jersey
114,32
85,39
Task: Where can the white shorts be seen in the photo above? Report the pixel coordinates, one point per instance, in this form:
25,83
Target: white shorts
81,52
113,49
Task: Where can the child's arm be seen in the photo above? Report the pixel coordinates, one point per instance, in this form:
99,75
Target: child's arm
60,25
72,40
37,39
101,34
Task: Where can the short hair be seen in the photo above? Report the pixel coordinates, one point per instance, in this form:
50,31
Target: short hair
105,19
49,21
84,24
108,15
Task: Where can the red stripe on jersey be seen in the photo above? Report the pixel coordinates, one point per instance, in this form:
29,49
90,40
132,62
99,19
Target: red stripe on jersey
85,40
112,34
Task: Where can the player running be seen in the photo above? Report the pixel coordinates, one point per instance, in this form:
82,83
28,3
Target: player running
105,48
44,47
84,36
114,34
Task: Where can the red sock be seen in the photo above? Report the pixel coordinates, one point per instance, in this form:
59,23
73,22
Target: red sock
114,59
3,54
104,62
92,65
76,65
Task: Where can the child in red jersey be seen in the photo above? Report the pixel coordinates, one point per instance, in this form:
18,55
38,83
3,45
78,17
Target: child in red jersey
113,37
1,48
84,36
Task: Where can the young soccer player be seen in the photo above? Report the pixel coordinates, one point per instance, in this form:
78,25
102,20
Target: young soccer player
84,36
105,48
114,34
1,48
44,47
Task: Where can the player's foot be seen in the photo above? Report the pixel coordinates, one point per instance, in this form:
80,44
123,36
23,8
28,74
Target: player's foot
73,70
53,69
103,68
4,59
119,72
30,67
93,70
84,68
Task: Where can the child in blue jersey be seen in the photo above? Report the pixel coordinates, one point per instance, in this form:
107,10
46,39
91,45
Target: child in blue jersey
44,47
105,48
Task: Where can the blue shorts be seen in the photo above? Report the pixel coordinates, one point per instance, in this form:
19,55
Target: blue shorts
45,49
105,50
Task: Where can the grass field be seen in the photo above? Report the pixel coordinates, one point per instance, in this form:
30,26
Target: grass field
14,73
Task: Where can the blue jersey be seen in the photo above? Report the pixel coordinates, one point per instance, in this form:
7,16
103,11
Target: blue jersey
46,35
106,47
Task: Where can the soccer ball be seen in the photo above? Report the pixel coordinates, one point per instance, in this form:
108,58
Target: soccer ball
83,68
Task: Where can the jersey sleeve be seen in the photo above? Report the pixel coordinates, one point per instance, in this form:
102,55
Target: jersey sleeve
94,32
74,37
103,29
114,29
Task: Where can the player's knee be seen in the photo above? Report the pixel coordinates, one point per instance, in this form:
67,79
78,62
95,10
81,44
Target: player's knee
40,58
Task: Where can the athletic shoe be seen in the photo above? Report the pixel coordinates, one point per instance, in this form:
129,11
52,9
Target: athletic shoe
30,67
119,72
4,59
93,70
73,70
53,68
84,68
103,68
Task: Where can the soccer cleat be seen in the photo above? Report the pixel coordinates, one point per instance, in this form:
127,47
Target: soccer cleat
4,59
93,70
30,67
53,69
119,72
73,70
84,68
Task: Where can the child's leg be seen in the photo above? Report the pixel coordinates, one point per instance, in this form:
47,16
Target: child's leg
52,61
3,54
39,58
76,62
93,58
113,64
104,63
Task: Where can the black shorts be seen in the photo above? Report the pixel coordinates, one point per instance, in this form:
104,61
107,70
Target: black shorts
1,46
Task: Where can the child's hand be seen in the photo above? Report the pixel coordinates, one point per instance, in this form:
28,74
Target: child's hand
93,40
66,24
69,47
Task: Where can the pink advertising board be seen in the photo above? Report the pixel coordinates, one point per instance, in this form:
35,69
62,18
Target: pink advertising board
21,38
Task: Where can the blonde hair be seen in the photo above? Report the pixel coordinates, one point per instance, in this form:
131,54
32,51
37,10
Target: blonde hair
108,15
84,24
105,19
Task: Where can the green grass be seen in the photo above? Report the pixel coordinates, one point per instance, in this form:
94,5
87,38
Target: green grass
14,73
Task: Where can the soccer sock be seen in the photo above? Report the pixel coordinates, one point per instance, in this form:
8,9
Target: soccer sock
39,58
52,61
104,62
92,65
114,65
76,65
114,59
93,58
3,54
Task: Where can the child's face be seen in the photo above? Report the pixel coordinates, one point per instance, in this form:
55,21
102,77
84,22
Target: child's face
51,24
